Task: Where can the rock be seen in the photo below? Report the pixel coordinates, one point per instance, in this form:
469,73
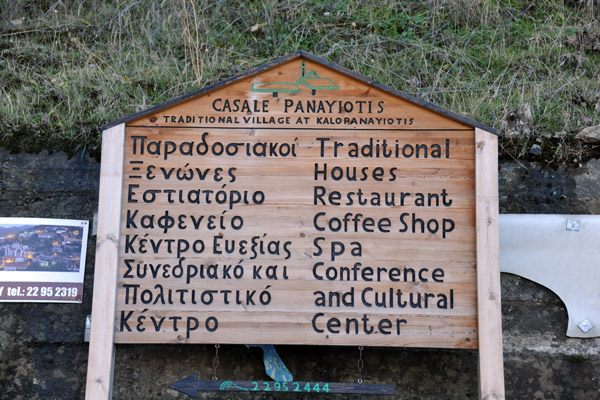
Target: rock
518,123
591,134
536,150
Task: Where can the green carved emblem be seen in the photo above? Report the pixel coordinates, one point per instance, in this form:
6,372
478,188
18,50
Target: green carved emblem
311,80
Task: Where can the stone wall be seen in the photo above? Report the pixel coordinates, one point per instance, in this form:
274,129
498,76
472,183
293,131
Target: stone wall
43,354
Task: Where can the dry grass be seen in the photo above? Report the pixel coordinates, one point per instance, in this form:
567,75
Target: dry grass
67,67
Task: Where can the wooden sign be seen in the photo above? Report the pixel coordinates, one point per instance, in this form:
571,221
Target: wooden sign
299,204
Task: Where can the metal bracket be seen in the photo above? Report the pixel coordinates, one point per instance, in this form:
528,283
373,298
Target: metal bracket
88,328
539,248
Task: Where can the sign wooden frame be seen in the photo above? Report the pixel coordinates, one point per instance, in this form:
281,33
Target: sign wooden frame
102,348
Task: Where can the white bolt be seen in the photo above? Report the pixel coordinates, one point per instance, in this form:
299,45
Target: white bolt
572,225
585,325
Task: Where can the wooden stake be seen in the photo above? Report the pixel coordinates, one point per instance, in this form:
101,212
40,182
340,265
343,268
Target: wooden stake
101,354
491,370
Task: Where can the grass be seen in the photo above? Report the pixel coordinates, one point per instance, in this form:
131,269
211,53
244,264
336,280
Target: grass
67,67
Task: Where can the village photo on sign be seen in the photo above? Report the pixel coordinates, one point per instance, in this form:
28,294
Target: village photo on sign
42,260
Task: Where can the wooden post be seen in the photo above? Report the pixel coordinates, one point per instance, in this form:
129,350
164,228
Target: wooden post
491,370
101,354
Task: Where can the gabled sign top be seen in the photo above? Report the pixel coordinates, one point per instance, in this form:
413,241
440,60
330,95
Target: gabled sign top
306,78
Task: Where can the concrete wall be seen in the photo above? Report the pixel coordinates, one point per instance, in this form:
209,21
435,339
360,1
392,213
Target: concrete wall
43,354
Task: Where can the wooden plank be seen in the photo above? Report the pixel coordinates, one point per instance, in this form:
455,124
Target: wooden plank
339,165
288,215
101,353
191,385
491,369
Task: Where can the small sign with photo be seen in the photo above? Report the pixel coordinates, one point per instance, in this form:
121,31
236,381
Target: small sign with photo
42,260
